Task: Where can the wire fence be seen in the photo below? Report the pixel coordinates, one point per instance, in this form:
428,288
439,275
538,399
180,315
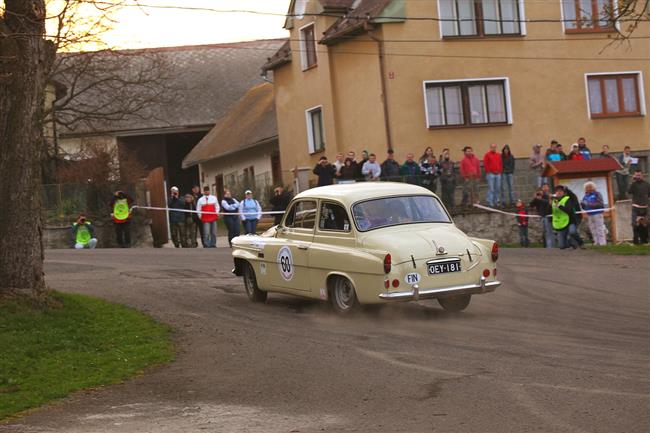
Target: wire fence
62,203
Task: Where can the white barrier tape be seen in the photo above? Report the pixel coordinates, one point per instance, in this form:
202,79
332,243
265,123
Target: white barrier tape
207,213
491,209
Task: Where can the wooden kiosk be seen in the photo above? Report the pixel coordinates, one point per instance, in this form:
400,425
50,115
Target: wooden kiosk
574,174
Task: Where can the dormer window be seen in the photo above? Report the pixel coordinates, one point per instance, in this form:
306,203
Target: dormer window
299,8
308,47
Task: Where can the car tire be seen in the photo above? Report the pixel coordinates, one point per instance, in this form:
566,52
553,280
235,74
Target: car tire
250,283
343,297
455,303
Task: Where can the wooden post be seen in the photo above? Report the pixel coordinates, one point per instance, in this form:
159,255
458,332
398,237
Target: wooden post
612,201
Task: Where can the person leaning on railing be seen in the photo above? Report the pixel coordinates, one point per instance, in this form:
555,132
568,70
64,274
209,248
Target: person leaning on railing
390,167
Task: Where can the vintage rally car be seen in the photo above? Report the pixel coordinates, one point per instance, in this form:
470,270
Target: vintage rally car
367,243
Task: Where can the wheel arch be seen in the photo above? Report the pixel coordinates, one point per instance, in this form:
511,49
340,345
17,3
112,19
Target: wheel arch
331,278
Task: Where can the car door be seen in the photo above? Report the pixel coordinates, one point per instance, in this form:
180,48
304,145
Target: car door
290,252
332,248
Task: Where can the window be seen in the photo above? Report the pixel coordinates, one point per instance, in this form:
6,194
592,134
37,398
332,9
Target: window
307,47
481,17
302,215
315,133
467,103
588,15
391,211
614,95
333,217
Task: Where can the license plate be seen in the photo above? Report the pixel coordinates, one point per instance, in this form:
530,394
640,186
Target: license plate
436,268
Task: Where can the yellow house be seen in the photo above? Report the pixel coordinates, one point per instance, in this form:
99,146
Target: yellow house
380,74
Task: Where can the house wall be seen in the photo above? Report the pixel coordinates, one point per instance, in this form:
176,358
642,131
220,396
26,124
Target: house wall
548,95
234,165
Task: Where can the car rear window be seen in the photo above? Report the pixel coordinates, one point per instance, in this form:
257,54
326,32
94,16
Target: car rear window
391,211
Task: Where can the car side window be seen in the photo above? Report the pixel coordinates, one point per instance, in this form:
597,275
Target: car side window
302,215
333,217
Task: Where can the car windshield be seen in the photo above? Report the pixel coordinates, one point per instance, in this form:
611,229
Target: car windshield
390,211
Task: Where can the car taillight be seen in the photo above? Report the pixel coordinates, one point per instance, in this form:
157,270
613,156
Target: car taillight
387,264
495,252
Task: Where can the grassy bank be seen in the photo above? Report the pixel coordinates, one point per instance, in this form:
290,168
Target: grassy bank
78,342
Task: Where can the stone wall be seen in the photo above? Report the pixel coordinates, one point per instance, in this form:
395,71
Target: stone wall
61,237
496,226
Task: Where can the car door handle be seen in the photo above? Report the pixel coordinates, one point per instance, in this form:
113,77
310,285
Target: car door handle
303,247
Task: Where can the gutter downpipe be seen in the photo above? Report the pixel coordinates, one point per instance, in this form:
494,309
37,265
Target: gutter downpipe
382,72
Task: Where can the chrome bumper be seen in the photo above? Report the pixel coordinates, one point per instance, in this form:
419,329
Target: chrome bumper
417,293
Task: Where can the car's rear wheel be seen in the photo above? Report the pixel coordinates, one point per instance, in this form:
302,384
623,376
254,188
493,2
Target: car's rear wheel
455,303
250,283
343,297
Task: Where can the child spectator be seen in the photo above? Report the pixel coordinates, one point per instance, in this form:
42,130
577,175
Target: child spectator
522,224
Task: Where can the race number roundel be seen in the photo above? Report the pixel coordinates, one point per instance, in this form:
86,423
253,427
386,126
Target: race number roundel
285,263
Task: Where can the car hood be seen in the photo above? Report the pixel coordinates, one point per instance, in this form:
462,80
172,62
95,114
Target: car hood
421,242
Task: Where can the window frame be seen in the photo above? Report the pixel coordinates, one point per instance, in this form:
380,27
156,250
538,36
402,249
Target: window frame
291,209
598,29
304,53
320,211
480,25
601,76
464,84
311,145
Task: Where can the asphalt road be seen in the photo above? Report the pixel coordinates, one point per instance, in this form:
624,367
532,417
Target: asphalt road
562,346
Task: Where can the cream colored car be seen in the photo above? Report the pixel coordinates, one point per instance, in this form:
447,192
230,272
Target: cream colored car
367,243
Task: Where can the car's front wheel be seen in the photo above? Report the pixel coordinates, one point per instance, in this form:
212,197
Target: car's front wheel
343,297
250,283
455,303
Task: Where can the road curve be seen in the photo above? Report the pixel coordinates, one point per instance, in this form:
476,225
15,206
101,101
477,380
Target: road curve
562,346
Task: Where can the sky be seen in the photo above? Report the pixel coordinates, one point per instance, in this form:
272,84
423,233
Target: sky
150,27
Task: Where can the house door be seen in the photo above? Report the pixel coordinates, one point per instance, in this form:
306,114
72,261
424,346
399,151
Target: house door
218,183
276,169
157,197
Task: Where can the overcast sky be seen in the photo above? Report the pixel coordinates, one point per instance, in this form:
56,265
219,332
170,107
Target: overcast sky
148,27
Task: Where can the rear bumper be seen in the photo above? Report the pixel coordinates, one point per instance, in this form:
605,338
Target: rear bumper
483,286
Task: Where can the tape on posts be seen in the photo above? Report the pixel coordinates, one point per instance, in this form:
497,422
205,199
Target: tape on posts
491,209
276,212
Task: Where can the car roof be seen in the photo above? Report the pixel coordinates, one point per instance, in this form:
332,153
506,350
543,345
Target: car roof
349,193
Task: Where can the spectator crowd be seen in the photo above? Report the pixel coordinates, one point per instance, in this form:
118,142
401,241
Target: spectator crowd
195,214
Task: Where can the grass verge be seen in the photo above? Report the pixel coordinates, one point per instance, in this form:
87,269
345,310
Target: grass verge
77,342
624,249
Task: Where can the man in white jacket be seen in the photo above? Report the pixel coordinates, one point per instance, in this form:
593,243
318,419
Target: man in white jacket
208,208
371,168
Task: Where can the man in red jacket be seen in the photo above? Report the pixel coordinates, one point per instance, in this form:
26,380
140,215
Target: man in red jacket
470,171
493,167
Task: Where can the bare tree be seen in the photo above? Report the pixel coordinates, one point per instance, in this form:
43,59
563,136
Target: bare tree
25,61
28,62
628,14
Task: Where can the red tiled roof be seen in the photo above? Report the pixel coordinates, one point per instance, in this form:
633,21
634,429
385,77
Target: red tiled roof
576,167
354,22
336,4
281,57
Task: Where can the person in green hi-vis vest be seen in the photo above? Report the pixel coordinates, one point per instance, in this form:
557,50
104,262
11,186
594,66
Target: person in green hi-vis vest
121,214
83,233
